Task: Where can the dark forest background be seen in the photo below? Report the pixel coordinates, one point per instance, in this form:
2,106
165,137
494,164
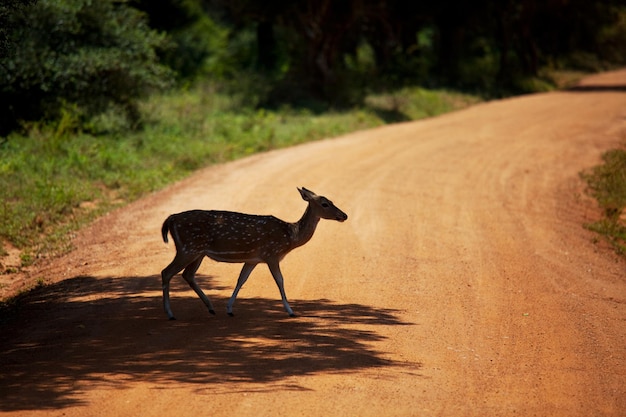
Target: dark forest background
93,56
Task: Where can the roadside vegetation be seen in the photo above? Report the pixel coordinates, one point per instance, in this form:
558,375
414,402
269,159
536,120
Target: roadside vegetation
104,101
56,177
607,184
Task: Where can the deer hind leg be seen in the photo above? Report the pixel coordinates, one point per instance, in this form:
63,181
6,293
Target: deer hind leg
243,277
177,265
189,274
278,277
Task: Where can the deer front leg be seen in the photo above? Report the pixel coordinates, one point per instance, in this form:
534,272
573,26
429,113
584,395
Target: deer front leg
278,277
243,277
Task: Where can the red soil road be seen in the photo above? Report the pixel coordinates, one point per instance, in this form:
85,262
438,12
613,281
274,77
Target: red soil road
462,284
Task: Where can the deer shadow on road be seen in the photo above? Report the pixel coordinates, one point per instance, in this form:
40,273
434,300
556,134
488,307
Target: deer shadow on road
62,340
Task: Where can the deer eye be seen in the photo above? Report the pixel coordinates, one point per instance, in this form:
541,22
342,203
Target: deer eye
325,205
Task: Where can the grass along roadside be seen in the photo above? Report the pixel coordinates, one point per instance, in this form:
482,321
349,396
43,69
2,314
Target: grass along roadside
607,184
56,179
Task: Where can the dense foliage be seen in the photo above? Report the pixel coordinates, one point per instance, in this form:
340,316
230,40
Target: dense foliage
76,56
333,50
8,9
84,56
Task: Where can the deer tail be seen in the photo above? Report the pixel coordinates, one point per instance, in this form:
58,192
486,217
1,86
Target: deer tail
165,229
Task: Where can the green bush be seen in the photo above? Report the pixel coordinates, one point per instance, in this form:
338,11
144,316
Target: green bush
77,55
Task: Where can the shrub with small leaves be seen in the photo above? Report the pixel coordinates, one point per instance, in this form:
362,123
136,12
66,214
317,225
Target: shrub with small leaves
88,55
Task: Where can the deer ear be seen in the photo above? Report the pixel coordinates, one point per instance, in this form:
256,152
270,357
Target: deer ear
307,195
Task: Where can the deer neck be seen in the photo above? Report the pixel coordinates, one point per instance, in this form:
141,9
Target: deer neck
304,228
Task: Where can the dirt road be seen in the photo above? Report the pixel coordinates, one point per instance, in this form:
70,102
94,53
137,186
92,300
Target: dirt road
462,284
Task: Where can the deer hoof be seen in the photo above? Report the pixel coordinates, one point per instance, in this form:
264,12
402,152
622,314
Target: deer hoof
231,314
172,318
212,312
293,315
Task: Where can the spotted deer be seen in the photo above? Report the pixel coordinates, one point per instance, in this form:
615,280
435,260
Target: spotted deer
227,236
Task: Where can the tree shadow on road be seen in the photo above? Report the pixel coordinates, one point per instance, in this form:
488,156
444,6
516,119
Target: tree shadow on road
597,89
62,340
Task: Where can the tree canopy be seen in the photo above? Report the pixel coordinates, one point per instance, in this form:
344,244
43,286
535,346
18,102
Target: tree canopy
455,41
81,54
97,54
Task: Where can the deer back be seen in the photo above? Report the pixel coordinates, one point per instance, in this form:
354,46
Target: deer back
229,236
